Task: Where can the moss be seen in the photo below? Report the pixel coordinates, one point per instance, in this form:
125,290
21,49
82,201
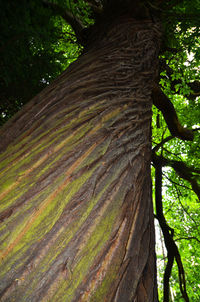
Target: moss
71,142
55,207
7,183
43,140
40,214
42,224
93,243
96,154
105,287
27,159
24,139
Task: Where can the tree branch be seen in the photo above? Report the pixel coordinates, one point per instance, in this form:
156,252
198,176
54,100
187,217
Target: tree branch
96,6
172,249
174,3
178,192
165,140
162,102
187,238
195,87
72,20
181,169
181,16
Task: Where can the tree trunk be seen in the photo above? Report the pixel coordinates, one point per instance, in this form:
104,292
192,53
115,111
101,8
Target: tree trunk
76,210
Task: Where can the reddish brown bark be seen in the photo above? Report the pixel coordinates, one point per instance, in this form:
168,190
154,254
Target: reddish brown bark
77,218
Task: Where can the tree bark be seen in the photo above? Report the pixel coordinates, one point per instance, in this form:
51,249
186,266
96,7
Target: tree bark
76,210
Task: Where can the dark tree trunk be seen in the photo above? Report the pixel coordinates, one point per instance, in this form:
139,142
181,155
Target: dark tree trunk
76,210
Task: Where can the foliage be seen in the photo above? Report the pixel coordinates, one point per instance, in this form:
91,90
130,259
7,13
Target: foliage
180,68
35,47
181,205
38,45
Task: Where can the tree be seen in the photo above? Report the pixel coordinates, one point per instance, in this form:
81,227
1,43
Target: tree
76,211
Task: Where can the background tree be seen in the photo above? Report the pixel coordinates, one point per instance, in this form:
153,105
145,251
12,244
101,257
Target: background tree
82,147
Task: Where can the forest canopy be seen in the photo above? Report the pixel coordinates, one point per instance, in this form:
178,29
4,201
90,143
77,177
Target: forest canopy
40,39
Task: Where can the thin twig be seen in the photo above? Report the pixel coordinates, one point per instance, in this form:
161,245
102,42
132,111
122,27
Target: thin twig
187,238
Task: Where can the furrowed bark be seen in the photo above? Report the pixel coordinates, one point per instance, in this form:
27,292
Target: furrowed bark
76,209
